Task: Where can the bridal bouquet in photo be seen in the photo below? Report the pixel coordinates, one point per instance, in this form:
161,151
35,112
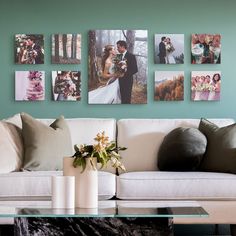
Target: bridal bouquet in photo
102,149
120,66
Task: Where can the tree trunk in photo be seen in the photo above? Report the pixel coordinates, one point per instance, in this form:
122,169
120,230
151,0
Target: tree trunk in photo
99,43
56,41
75,45
64,44
93,78
130,39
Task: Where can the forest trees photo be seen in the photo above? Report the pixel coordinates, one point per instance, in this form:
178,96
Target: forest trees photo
169,86
66,49
136,44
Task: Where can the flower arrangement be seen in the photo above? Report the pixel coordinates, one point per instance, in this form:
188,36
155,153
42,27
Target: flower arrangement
103,150
120,66
35,75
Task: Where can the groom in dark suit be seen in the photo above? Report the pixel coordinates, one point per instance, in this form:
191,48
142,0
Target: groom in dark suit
126,81
162,50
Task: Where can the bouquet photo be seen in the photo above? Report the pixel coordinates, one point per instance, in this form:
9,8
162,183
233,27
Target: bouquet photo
102,149
120,65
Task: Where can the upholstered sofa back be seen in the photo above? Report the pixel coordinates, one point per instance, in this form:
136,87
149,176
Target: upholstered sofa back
143,138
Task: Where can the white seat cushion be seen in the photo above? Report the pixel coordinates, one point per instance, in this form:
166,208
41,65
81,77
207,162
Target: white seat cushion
37,185
176,185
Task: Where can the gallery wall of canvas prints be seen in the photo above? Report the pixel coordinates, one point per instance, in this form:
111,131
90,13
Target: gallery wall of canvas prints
29,85
205,85
169,86
206,49
29,49
66,49
117,67
169,49
66,85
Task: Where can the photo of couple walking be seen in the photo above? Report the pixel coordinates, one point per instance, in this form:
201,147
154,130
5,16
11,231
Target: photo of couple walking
117,67
29,49
169,49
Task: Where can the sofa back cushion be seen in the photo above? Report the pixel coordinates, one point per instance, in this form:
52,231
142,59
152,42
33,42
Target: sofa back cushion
143,138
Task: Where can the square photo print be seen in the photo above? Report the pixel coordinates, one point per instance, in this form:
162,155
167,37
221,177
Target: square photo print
117,67
66,49
29,85
169,86
66,85
206,49
205,85
169,49
29,49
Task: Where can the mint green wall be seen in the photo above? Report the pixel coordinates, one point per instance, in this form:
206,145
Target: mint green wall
157,16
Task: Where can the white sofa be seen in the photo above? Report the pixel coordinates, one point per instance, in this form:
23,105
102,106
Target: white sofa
142,180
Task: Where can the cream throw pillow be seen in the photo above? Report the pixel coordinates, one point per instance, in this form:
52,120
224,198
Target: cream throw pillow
45,146
11,147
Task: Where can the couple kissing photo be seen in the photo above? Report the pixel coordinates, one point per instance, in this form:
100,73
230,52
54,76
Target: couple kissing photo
169,49
117,67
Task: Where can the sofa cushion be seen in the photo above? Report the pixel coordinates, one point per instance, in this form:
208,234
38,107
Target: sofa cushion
182,150
221,147
29,185
143,138
11,148
45,146
176,185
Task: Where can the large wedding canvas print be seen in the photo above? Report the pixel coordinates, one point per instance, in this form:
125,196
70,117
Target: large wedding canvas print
29,85
117,67
66,85
29,49
66,49
205,85
169,86
169,49
206,49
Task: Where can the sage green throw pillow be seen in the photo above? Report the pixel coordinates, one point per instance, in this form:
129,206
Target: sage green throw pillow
45,146
220,153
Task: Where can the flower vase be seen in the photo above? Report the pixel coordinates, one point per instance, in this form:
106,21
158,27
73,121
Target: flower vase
86,182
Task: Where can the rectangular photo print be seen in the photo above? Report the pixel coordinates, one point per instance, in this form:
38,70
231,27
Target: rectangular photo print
117,67
169,49
205,85
29,49
206,49
66,49
29,85
66,85
169,86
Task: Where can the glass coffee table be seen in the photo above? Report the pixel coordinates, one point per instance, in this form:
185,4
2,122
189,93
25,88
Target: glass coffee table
110,218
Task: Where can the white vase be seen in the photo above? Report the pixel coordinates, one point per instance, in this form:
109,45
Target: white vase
86,182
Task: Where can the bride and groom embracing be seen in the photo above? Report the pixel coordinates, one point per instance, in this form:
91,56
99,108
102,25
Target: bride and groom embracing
166,50
118,70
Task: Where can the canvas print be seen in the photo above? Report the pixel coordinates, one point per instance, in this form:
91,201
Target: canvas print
66,49
169,86
66,85
205,85
169,49
29,85
29,49
206,49
117,67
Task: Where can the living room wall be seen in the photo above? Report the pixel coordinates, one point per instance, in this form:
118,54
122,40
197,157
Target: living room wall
156,16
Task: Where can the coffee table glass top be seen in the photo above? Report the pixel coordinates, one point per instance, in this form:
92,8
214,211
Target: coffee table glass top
111,208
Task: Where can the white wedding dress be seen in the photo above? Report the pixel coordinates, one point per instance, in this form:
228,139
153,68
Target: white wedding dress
170,59
109,94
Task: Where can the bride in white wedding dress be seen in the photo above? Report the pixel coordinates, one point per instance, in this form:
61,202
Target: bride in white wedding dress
110,93
169,52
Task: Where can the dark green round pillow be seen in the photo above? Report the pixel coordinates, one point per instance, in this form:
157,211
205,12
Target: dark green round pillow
182,150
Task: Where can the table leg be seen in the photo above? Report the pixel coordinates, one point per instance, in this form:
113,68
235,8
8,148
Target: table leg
100,226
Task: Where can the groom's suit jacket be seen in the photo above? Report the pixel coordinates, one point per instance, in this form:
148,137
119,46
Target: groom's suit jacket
126,82
162,52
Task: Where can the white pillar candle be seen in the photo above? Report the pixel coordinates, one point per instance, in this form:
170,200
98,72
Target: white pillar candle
63,191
